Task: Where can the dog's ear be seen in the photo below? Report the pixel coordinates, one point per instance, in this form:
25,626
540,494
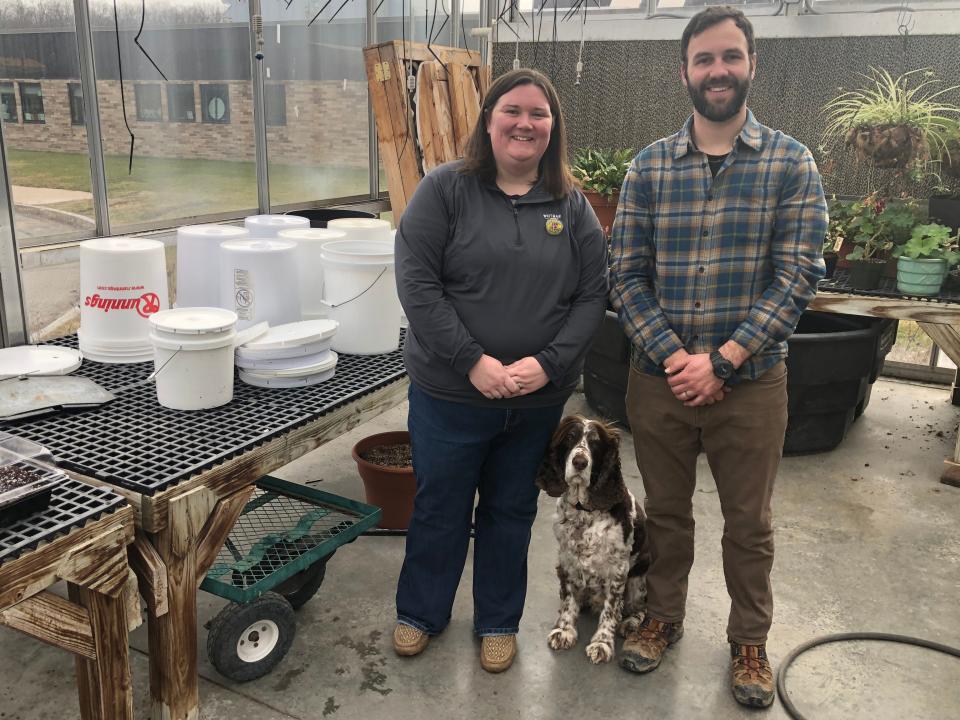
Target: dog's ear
606,481
550,477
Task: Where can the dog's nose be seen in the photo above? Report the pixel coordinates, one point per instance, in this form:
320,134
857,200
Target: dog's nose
579,462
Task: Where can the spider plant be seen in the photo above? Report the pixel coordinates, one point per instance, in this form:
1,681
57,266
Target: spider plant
892,121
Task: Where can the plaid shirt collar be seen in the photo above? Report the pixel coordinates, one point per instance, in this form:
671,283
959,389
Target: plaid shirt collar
750,135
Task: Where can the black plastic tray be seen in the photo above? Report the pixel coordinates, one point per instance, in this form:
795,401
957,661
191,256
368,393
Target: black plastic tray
30,497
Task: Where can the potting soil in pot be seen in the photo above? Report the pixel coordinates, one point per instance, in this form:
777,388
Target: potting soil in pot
389,455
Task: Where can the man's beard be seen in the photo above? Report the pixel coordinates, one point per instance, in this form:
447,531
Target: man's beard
715,112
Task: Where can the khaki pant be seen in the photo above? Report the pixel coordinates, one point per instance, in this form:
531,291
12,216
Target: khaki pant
743,438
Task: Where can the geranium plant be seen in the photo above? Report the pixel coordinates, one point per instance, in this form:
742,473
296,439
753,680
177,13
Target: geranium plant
602,170
931,241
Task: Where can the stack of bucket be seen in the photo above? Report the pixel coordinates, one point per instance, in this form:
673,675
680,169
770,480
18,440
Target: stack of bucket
258,281
291,355
123,281
360,287
267,226
198,261
310,242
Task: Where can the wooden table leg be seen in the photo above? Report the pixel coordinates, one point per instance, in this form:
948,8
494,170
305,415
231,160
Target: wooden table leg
104,682
947,338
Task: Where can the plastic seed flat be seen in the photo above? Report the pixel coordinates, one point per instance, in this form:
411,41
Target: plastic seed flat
135,443
840,282
72,505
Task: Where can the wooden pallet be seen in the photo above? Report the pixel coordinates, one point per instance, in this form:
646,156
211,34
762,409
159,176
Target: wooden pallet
425,127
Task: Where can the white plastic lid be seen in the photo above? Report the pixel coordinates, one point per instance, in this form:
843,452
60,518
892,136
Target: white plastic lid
286,382
121,245
247,357
38,360
365,223
212,230
194,320
261,245
303,332
296,362
312,235
280,221
322,364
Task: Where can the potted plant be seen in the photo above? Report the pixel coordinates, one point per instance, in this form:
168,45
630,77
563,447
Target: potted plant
893,122
600,173
385,464
923,261
871,240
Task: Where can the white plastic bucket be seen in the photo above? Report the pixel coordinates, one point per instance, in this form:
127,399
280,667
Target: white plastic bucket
267,226
198,260
309,270
123,281
360,292
362,228
193,357
258,281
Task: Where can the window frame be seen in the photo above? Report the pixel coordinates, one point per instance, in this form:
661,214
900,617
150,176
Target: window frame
208,91
139,89
15,115
75,102
42,120
174,103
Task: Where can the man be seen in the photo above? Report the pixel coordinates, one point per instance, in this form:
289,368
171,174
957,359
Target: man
716,252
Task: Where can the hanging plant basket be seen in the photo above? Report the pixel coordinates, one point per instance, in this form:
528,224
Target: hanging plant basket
889,146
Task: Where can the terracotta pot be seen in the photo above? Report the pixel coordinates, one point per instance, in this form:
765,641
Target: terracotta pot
606,209
390,488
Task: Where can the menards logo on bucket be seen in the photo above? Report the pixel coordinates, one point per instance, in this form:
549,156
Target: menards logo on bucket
145,305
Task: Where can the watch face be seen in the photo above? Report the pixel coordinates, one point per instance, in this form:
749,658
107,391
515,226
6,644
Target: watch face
722,367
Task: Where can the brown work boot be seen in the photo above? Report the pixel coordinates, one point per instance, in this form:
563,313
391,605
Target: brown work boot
643,648
408,640
752,675
497,652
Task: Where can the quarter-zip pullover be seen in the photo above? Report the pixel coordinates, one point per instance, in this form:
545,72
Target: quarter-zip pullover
481,272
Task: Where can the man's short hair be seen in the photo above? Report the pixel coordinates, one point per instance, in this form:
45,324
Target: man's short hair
706,19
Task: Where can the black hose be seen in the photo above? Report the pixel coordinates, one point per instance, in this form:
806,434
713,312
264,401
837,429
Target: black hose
840,637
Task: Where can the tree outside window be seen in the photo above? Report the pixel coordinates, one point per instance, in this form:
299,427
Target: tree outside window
31,103
215,103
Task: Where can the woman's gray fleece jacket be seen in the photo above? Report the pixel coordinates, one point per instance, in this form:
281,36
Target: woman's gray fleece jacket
481,272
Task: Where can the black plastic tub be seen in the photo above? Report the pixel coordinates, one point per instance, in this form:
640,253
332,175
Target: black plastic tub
832,364
605,371
319,217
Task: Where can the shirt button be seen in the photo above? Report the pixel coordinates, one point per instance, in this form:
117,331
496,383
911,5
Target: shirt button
706,233
701,269
710,196
695,337
697,305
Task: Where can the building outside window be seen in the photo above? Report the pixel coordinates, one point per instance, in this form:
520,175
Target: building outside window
75,97
275,100
180,104
215,103
148,103
31,103
8,103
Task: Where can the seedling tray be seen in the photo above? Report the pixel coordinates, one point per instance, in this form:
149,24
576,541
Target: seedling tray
283,530
25,487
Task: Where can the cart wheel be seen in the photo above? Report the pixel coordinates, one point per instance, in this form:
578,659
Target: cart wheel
299,588
247,641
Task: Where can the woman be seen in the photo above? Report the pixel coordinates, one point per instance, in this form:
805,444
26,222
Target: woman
501,270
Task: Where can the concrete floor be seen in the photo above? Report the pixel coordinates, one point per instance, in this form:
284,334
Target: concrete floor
867,540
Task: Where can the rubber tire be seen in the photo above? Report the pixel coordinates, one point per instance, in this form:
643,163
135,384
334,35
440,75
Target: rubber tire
300,588
233,619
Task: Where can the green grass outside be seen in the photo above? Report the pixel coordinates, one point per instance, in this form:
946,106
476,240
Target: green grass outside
171,188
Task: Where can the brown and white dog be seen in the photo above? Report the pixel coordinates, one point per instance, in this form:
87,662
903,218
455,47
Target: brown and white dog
600,527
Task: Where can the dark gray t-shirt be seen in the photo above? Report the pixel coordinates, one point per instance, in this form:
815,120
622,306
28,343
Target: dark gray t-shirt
479,272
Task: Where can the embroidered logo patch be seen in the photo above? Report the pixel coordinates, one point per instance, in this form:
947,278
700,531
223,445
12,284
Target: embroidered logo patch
554,225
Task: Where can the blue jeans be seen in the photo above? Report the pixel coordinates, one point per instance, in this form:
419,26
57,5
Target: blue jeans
459,450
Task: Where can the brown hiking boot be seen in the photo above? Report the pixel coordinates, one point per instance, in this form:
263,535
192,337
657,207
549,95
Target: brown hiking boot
408,640
643,649
752,675
497,652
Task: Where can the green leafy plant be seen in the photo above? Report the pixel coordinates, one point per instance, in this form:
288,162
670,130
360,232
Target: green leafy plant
931,241
894,122
874,225
602,170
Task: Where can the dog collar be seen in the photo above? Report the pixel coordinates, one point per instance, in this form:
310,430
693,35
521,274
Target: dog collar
579,506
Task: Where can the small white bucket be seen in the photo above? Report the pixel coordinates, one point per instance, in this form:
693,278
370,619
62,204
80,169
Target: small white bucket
267,226
309,269
193,357
360,292
198,259
123,281
258,281
362,228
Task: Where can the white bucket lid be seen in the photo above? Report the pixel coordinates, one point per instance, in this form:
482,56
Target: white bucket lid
293,351
254,222
212,230
121,245
357,252
37,360
260,245
286,382
312,235
251,333
362,223
194,320
290,335
297,363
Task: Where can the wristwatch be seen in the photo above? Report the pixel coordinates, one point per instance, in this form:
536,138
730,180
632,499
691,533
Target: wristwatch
724,369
